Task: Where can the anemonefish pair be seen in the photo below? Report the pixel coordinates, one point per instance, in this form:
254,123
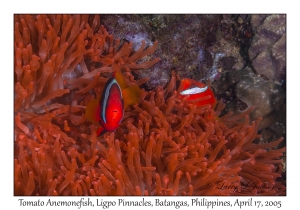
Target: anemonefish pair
194,90
108,110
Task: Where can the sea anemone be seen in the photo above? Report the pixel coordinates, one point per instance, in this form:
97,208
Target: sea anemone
165,145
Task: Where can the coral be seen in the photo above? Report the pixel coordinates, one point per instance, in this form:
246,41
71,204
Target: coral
252,90
268,48
165,144
257,19
268,97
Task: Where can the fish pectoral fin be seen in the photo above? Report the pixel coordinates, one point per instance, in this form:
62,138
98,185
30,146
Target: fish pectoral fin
131,95
92,111
100,131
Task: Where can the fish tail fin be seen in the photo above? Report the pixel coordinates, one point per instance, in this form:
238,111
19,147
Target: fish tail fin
92,111
131,95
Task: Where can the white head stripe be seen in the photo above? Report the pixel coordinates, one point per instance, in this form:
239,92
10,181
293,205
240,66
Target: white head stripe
106,94
194,90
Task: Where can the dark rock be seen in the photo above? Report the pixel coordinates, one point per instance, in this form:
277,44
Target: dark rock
226,56
182,40
227,63
230,78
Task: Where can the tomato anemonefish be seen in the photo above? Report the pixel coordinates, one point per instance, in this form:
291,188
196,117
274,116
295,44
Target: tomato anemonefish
109,110
193,90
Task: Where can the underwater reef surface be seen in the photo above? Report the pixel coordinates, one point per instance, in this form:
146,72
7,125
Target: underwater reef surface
268,48
165,145
216,47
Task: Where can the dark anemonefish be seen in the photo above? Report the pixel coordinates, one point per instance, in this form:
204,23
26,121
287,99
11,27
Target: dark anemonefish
109,109
195,90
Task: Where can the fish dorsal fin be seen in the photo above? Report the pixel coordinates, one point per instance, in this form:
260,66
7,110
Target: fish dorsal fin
92,111
118,76
184,84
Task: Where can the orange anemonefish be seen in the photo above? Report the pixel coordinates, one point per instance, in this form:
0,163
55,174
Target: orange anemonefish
193,90
109,109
